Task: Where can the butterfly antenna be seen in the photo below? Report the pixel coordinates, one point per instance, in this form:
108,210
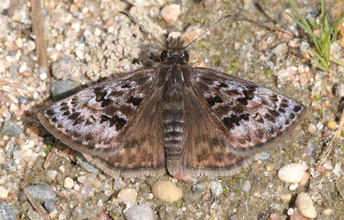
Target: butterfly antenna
142,28
208,29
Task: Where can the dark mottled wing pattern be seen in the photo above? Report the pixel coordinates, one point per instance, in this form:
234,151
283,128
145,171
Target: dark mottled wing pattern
96,120
143,148
205,150
252,118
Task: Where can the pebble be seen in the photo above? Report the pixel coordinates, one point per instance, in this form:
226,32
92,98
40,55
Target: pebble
66,68
247,186
332,125
3,193
11,129
63,88
292,173
327,212
263,156
281,49
6,211
305,205
216,188
85,164
127,196
312,128
283,73
170,13
139,212
167,191
43,76
190,35
297,216
23,68
52,174
49,205
118,184
198,189
285,197
68,183
40,192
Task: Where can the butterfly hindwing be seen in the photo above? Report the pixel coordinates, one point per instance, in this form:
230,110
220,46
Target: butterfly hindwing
251,117
205,150
143,148
96,120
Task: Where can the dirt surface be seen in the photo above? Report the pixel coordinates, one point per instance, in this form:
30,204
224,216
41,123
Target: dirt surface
92,41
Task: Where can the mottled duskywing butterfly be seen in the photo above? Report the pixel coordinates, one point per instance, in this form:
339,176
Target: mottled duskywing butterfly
188,121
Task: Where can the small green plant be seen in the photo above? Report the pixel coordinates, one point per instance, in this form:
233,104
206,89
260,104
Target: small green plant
322,42
48,149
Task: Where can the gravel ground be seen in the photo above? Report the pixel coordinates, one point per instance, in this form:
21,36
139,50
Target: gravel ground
89,41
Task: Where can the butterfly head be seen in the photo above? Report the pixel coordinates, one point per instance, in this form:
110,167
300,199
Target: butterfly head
175,51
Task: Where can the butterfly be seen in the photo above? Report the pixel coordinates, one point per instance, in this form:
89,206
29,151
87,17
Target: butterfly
187,121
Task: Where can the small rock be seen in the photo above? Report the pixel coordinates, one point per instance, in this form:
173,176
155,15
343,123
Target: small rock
327,212
11,129
281,49
285,197
85,164
273,216
40,192
170,13
52,174
312,128
49,205
3,193
64,88
167,191
23,68
247,186
198,189
305,205
337,169
297,216
216,188
68,183
67,68
332,125
292,173
127,196
283,73
118,184
139,212
6,211
263,156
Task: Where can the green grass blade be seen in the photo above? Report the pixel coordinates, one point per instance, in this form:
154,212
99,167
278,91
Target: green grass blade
319,57
303,21
319,65
338,62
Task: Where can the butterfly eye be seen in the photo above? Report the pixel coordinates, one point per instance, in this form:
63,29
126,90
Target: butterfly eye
186,56
163,55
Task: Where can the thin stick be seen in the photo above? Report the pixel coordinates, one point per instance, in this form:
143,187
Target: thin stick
142,28
208,29
38,30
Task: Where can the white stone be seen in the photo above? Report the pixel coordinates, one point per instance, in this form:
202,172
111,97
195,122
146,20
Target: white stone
305,205
283,73
43,76
167,191
19,42
127,196
292,173
3,193
23,68
52,174
68,183
312,129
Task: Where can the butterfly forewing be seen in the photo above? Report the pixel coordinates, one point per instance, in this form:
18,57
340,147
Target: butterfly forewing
251,117
143,148
97,119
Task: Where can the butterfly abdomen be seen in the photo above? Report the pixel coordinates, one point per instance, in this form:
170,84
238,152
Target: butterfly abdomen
173,132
